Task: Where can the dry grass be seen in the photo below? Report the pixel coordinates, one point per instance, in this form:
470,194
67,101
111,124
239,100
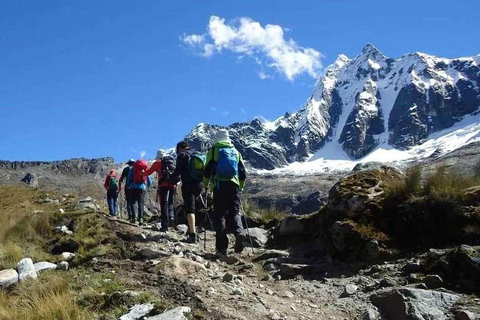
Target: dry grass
47,298
265,215
440,185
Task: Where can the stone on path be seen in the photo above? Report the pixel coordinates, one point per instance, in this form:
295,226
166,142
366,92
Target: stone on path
148,253
44,266
350,289
258,236
26,270
8,278
415,304
138,311
174,314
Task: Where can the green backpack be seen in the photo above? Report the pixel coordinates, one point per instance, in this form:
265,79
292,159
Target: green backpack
113,185
196,165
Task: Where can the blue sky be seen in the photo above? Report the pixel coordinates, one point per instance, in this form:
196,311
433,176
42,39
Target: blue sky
115,78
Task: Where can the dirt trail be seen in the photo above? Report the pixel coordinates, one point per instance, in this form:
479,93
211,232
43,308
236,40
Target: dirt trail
187,274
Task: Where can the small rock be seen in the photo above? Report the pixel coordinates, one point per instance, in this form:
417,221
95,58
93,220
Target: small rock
274,315
67,256
26,270
174,314
62,211
238,277
138,311
465,315
8,278
62,266
182,228
44,266
148,253
270,267
237,292
433,281
421,286
350,289
287,294
267,278
228,277
387,282
370,314
413,266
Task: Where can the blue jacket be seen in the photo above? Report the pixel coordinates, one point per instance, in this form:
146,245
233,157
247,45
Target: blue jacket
133,185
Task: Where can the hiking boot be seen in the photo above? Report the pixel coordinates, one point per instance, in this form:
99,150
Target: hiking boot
132,221
162,229
220,254
192,238
239,243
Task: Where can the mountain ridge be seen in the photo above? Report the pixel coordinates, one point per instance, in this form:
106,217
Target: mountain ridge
361,103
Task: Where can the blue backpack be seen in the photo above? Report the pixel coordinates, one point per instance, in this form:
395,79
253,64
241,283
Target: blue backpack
227,163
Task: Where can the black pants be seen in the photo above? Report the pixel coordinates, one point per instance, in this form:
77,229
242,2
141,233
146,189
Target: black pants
226,208
137,200
190,192
167,197
128,199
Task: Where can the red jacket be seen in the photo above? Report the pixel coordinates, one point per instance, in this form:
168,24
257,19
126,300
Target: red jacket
107,183
157,167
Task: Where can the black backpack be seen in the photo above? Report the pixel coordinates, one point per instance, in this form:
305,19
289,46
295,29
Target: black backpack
168,166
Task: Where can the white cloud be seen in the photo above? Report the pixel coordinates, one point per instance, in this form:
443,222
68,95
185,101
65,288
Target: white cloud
267,45
142,154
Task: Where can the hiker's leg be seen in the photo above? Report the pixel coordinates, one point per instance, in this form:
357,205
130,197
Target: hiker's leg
164,207
234,209
219,210
128,200
189,207
141,204
170,207
134,203
115,203
111,209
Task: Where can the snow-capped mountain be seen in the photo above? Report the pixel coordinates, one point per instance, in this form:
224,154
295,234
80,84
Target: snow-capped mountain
359,105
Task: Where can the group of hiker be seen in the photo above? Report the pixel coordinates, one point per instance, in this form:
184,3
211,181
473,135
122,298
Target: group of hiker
221,170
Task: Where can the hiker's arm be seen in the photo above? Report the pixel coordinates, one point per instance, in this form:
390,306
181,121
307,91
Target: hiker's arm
207,172
242,174
152,169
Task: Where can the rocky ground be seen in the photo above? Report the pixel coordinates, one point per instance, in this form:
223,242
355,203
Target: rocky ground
297,283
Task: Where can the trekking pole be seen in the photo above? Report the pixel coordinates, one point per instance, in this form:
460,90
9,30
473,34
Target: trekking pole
246,225
205,203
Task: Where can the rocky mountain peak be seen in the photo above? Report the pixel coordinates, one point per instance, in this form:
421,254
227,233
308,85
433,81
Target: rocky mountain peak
359,105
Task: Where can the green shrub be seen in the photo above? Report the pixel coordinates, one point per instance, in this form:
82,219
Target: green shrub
444,185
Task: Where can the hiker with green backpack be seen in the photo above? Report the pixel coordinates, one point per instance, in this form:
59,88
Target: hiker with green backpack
225,174
189,170
113,188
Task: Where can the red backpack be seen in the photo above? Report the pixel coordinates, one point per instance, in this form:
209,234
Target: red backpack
139,166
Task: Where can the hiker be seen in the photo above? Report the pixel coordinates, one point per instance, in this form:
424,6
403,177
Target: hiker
164,166
225,173
123,179
138,185
189,170
113,188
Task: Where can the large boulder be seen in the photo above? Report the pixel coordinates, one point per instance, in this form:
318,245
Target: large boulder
30,180
360,193
8,278
414,304
26,270
464,267
352,241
